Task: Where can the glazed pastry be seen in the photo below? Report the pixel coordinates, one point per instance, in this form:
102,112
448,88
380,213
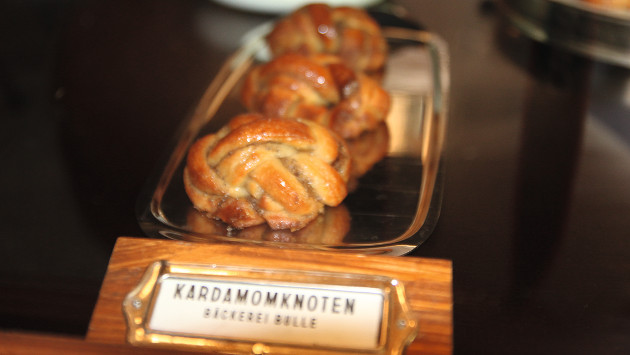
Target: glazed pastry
256,170
347,32
319,88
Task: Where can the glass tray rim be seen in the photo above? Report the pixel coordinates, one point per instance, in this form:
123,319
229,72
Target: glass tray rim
154,223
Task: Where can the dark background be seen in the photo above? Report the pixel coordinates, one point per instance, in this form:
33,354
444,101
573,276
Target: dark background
536,212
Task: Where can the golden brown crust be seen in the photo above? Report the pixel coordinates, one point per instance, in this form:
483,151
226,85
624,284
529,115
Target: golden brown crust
290,86
363,108
319,88
259,169
318,28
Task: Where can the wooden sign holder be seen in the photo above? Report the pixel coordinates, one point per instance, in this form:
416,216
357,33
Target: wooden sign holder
428,282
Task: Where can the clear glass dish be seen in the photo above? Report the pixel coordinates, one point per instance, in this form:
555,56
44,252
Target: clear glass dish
394,206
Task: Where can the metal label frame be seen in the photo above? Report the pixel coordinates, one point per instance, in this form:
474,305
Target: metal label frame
398,326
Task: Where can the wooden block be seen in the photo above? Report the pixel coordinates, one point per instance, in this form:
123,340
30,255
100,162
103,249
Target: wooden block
428,282
19,343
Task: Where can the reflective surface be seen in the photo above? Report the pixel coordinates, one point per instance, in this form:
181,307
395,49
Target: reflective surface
597,31
537,163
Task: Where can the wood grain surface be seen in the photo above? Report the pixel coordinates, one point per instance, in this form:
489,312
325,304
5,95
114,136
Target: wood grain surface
21,343
428,282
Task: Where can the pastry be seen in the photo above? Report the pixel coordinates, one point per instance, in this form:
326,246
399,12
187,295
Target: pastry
258,169
347,32
320,88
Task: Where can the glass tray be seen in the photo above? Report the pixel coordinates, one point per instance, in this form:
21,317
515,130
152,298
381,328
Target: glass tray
394,206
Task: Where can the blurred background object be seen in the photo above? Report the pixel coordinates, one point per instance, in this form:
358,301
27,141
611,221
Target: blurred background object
285,6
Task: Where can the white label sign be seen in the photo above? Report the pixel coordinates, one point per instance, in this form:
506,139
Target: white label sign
292,314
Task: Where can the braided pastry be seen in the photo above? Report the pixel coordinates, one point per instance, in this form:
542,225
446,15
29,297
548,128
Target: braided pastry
319,88
318,28
274,170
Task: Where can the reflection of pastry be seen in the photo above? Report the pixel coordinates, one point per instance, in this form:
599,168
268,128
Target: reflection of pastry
368,149
319,88
347,32
329,228
257,170
198,222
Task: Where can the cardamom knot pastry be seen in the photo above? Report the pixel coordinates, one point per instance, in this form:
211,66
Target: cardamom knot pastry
274,170
320,88
347,32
